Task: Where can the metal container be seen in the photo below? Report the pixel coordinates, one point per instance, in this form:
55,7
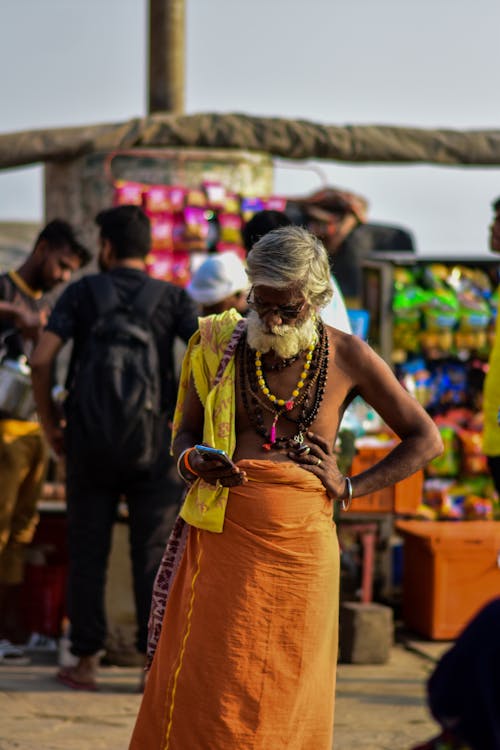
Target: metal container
16,394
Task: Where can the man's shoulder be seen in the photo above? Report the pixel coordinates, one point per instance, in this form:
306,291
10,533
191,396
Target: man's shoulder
172,291
82,284
216,330
13,289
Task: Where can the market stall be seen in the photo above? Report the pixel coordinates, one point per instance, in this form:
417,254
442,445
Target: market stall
433,320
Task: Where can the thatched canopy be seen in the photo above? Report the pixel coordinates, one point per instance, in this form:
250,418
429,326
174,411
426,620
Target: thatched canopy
291,139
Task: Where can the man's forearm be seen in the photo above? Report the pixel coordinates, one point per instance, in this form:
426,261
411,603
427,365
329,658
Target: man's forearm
8,311
184,440
41,377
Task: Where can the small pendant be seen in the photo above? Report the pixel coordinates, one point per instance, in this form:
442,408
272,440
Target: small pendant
266,446
272,434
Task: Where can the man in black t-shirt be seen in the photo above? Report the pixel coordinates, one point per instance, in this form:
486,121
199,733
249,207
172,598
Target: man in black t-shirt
93,491
23,312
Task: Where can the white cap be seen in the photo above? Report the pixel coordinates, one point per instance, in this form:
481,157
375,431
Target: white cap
219,276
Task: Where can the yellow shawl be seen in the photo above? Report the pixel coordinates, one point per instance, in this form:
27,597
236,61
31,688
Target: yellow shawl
204,505
491,399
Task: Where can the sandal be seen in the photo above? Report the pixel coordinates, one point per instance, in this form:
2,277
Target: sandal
65,677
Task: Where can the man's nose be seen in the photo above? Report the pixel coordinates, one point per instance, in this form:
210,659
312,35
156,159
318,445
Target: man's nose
273,318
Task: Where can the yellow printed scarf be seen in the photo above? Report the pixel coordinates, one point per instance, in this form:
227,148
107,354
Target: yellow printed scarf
491,400
204,505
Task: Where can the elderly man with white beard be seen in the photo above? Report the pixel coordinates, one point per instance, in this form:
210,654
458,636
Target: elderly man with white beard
244,623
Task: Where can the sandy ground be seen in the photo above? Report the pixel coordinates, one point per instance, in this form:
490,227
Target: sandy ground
378,707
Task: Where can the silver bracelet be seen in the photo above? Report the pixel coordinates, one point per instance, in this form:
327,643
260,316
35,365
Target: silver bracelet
346,502
179,472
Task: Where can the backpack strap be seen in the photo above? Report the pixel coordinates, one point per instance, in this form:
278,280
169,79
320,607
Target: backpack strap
148,297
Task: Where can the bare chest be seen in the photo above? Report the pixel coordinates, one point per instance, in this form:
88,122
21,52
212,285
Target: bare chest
277,405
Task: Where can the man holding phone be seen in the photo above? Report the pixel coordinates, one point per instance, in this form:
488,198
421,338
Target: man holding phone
250,625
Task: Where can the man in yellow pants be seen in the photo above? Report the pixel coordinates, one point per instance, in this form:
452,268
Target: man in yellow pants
55,256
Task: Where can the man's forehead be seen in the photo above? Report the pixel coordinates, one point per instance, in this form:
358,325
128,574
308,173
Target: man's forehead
68,258
290,292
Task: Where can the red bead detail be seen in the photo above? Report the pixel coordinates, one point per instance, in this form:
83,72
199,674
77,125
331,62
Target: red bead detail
266,446
289,405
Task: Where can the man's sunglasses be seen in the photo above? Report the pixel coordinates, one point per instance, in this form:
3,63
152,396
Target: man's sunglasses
286,313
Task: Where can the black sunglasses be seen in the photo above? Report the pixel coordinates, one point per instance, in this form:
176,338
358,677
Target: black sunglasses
287,313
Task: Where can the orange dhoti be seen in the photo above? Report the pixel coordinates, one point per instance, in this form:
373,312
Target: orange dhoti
248,648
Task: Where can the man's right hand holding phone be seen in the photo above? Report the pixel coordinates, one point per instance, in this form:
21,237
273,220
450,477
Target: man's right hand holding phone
212,465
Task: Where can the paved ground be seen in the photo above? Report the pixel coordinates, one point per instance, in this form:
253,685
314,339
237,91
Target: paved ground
377,707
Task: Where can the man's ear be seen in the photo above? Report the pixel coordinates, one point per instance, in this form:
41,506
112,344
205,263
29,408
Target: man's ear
107,253
40,249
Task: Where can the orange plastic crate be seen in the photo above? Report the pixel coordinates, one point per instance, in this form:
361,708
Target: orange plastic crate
403,497
450,570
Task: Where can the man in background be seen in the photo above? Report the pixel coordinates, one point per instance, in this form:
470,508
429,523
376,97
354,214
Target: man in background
340,219
114,451
219,283
23,312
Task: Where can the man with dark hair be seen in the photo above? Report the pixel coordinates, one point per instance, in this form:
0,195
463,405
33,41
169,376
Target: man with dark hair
55,256
127,228
58,234
339,219
260,224
103,462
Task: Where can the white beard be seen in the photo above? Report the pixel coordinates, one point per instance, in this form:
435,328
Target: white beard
285,340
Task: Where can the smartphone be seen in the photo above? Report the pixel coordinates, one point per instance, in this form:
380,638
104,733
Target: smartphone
214,454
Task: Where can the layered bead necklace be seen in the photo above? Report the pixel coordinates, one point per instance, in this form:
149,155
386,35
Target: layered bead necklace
289,403
256,394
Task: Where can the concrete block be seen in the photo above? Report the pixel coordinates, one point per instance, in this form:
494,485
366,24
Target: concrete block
366,633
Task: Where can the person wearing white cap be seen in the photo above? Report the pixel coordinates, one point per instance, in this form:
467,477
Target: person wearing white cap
220,283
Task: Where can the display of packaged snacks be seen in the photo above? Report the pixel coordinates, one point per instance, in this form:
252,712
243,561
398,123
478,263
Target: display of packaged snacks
473,461
196,197
249,207
215,195
161,231
156,199
448,463
230,226
275,203
128,193
442,310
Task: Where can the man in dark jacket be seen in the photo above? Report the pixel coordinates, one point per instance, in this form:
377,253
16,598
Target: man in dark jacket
97,482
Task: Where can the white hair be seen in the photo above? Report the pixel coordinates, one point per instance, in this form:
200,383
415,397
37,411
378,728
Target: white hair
292,257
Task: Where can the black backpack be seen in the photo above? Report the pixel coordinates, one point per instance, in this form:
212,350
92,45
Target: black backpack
115,396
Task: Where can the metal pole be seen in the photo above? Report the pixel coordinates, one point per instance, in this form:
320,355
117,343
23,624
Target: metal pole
166,56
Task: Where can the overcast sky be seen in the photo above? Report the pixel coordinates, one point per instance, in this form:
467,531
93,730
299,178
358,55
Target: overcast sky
430,64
